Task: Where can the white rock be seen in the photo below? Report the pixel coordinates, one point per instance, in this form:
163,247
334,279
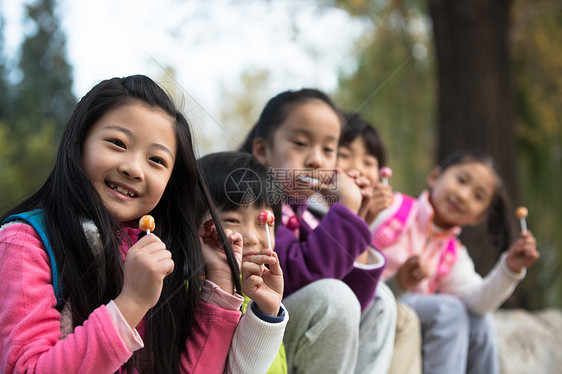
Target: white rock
529,342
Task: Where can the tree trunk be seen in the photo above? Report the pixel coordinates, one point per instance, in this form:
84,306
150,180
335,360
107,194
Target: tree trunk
475,97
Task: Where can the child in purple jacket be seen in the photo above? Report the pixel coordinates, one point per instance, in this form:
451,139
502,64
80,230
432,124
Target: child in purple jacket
362,151
297,137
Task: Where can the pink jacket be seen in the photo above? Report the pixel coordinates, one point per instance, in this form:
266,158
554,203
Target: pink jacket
416,236
420,236
30,326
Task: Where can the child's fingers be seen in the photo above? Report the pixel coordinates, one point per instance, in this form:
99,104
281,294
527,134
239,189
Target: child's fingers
147,240
352,173
154,248
166,266
417,274
363,183
527,241
160,258
527,237
261,259
251,268
367,192
255,280
160,254
209,224
275,267
265,251
412,261
235,238
206,229
529,248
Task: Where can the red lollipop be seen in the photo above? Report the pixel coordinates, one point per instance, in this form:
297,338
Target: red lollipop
386,173
266,218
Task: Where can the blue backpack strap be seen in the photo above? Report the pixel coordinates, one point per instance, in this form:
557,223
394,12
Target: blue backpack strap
35,219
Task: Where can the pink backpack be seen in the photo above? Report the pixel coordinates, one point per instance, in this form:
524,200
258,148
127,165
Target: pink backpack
389,231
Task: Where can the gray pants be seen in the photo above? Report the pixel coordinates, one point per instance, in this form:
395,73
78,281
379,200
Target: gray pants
454,340
327,333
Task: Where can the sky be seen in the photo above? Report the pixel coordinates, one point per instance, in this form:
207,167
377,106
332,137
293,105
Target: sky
207,43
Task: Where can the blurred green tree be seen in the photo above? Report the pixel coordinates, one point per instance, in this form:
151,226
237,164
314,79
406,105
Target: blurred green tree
535,34
392,87
39,98
44,92
497,87
3,85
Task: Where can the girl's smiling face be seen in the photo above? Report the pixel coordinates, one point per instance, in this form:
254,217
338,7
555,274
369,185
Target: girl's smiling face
128,156
462,193
245,221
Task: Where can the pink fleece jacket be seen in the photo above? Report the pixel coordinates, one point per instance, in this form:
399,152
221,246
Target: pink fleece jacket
30,326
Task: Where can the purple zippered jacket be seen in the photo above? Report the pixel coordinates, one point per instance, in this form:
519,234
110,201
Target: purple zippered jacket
328,251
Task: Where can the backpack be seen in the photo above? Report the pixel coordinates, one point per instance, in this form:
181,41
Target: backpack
389,231
35,219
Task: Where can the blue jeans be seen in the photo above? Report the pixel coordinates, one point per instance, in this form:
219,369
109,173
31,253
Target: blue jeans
454,340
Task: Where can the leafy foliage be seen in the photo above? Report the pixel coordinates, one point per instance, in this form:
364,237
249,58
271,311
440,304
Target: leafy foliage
392,87
399,98
538,84
36,107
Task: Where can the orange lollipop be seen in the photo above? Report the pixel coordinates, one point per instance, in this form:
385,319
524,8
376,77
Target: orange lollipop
522,213
147,224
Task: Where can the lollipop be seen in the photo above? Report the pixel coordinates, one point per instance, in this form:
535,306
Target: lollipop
522,213
147,224
386,173
308,180
266,218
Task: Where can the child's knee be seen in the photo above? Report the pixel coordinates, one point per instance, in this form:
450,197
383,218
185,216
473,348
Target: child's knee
450,306
483,329
337,299
447,311
329,310
337,305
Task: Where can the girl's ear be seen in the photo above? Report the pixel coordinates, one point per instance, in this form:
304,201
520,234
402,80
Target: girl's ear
433,176
259,150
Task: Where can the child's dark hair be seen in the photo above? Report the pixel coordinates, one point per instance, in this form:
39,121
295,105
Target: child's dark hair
276,111
237,179
67,197
500,222
355,126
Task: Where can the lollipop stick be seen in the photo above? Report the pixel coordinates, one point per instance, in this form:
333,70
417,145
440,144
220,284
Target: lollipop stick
523,224
385,181
268,237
